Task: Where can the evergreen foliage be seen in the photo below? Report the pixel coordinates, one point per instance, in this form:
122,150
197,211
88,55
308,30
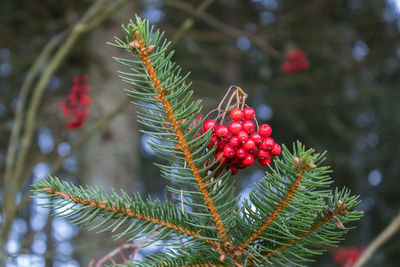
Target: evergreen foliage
290,209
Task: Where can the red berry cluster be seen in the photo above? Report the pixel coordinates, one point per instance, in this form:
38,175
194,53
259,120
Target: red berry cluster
346,257
238,145
76,108
295,61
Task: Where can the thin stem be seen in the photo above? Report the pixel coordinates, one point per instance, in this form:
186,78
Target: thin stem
19,115
30,121
189,22
227,29
227,106
381,239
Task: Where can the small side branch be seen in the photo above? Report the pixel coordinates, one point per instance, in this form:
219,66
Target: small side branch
325,220
269,220
126,211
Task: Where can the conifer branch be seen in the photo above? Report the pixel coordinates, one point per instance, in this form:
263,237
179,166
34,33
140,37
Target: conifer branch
143,53
340,210
268,220
324,220
127,211
286,210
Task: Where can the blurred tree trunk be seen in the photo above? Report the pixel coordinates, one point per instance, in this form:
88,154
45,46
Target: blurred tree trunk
110,159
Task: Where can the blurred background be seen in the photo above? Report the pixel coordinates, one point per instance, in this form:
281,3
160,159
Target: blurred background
347,102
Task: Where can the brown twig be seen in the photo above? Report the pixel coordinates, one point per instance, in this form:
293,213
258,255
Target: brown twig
119,250
189,22
381,239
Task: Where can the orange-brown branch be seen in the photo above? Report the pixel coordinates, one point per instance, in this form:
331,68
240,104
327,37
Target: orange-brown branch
325,220
274,215
143,53
128,212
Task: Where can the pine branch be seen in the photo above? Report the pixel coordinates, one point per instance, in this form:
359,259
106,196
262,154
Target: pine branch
323,221
289,209
268,220
165,89
293,205
95,202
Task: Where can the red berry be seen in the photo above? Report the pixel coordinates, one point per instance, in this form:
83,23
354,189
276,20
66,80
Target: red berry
254,152
241,153
248,113
220,158
213,141
234,168
220,145
222,131
265,162
234,141
276,150
235,160
249,144
235,127
209,124
265,130
267,143
263,154
242,136
237,114
248,126
256,137
241,166
229,152
248,160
